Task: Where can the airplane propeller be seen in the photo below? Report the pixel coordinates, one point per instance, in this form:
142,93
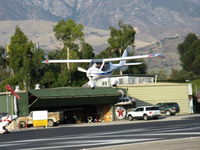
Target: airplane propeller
82,69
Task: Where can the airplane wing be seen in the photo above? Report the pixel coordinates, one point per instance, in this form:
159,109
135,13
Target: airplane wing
132,57
105,60
67,61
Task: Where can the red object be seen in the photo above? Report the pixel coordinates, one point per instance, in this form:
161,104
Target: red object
120,112
8,87
6,119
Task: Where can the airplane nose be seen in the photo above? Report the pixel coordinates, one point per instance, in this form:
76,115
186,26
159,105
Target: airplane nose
89,75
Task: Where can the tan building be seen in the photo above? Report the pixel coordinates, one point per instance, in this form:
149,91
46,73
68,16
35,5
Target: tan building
153,93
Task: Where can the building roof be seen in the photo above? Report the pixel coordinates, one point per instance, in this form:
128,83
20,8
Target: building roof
71,96
72,92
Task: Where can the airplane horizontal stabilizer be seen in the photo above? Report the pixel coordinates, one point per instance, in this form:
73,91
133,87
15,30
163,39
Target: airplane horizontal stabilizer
133,64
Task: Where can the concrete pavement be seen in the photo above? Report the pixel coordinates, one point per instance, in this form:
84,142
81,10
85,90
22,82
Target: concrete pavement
179,144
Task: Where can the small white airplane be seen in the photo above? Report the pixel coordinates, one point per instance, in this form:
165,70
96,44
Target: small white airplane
100,68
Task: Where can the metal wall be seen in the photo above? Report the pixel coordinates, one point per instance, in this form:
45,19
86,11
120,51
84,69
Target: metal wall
6,103
22,104
150,94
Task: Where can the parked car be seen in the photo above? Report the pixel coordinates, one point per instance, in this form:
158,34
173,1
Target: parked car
168,108
53,119
144,112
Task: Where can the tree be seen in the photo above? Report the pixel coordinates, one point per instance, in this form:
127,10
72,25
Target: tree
2,58
72,36
20,57
189,39
51,72
162,75
189,52
86,52
49,79
106,54
38,69
69,33
121,38
4,72
181,75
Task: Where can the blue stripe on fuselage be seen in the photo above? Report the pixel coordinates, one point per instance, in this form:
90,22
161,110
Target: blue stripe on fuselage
104,73
107,73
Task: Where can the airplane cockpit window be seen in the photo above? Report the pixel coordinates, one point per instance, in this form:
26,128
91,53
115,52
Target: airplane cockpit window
106,66
96,63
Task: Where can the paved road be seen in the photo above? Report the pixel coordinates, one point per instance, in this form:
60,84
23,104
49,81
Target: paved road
108,136
173,144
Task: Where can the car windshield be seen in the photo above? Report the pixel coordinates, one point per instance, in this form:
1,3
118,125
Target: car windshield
172,104
139,109
152,108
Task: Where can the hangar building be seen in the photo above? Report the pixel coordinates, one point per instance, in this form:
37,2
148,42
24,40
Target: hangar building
73,101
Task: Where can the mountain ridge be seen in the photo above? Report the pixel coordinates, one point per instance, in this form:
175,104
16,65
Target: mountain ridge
153,20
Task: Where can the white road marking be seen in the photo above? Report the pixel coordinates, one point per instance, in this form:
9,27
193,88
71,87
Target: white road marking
185,129
102,142
131,144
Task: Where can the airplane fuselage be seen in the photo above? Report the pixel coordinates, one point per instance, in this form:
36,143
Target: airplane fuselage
95,73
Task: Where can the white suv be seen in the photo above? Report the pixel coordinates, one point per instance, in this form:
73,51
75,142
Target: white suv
144,112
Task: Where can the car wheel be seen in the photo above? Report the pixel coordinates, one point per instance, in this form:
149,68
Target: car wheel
130,118
168,113
145,117
22,124
50,123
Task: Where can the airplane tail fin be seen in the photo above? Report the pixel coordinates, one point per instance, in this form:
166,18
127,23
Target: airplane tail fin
125,54
123,65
